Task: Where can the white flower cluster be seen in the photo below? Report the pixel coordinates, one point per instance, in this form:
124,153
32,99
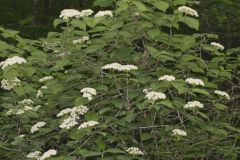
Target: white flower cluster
88,124
48,154
25,105
22,135
34,155
193,104
134,151
47,78
167,78
86,12
217,45
88,92
39,94
81,40
154,95
37,126
104,13
12,61
26,102
193,81
75,113
10,84
71,13
119,67
222,93
44,87
188,11
179,132
69,123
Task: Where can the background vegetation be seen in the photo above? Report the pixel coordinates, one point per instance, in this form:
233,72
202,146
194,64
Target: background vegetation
33,18
150,34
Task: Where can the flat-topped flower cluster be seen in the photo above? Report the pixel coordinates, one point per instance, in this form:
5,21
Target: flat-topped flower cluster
119,67
73,13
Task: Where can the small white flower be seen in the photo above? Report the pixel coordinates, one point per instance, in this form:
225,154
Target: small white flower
27,108
145,91
89,92
39,94
86,12
69,123
44,87
188,11
104,13
217,45
128,67
167,78
74,112
70,13
26,102
134,151
193,104
37,107
155,95
10,84
88,96
193,81
64,112
11,112
37,126
19,112
78,110
88,124
119,67
48,154
47,78
34,154
179,132
12,61
22,136
81,40
222,93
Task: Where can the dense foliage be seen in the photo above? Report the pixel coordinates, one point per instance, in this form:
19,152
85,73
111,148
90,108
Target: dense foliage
152,86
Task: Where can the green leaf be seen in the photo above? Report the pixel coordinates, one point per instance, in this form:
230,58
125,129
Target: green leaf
220,106
103,3
92,154
130,117
201,91
78,23
166,103
113,150
81,101
94,48
188,57
141,6
161,5
91,116
191,22
91,22
60,64
57,22
145,136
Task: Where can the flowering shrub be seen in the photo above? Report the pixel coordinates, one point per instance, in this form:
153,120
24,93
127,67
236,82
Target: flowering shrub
119,84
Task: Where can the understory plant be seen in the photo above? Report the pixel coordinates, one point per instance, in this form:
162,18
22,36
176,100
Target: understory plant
123,83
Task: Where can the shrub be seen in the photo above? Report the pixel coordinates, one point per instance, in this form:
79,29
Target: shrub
124,84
